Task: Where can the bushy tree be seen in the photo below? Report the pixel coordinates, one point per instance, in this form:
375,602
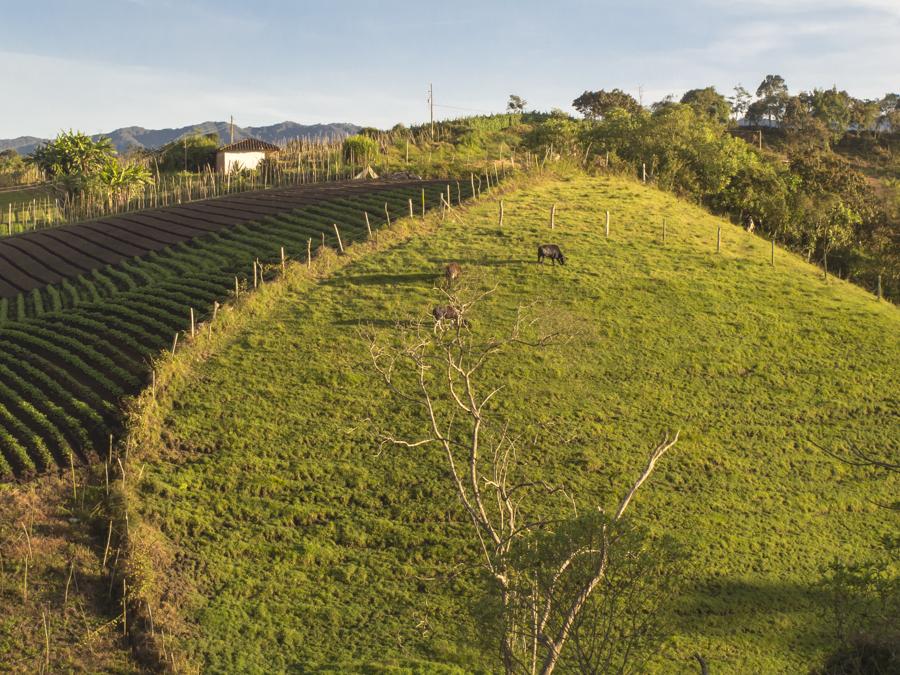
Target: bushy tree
73,153
360,149
119,182
773,95
597,104
832,107
12,167
740,101
803,127
196,152
516,104
709,103
890,111
559,132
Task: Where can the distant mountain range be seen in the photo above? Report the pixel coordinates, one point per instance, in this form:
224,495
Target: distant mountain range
138,137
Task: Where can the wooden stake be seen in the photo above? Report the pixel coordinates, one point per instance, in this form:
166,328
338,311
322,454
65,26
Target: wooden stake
607,224
193,327
283,261
553,216
718,239
423,202
472,178
124,608
387,214
237,288
46,641
501,213
106,550
411,214
644,172
340,243
368,226
309,251
255,279
72,466
174,344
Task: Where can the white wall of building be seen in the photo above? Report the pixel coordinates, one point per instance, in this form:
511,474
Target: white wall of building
226,161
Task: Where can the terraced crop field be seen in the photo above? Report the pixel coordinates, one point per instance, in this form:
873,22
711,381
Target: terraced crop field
83,307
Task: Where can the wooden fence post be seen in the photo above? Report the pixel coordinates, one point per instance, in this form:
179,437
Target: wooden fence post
340,243
283,265
458,194
411,214
553,216
255,280
607,224
368,226
718,239
174,343
448,194
308,253
237,288
192,323
644,172
387,214
501,213
423,202
472,178
879,287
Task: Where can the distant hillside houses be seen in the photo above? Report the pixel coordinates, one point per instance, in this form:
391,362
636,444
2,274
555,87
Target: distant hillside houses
881,126
245,154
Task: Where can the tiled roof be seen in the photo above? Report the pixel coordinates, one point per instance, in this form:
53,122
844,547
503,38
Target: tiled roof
250,145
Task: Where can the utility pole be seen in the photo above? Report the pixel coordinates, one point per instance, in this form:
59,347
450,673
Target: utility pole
232,130
641,95
431,109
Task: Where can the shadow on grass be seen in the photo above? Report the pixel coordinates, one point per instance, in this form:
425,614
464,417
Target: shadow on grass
734,606
482,263
375,323
384,279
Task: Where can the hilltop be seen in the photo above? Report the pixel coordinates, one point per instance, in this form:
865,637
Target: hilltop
127,138
271,534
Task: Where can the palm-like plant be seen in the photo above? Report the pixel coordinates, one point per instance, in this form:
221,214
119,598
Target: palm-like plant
118,182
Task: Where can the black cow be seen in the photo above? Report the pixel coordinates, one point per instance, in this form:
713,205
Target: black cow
551,251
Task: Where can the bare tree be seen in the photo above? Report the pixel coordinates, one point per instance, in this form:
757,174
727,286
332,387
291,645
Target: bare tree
547,566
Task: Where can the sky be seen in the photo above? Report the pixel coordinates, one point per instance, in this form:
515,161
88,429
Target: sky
96,65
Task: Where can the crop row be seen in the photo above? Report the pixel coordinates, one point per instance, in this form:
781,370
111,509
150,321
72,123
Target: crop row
71,350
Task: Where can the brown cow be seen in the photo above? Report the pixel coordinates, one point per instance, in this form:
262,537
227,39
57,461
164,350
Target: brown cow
452,273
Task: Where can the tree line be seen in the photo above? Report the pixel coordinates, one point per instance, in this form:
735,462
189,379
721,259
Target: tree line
797,189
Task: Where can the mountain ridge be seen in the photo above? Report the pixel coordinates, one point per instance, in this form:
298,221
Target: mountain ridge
130,137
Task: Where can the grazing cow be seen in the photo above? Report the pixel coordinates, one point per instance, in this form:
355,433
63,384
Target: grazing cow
551,251
446,313
452,273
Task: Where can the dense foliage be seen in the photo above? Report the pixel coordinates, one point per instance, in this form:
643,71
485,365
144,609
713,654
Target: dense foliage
79,164
191,153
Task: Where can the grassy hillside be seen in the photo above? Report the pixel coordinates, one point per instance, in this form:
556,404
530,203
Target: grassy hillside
289,543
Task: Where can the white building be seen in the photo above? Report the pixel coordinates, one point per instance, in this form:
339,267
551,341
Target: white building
245,154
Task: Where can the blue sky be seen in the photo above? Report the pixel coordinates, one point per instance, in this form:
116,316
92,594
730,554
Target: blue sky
97,65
